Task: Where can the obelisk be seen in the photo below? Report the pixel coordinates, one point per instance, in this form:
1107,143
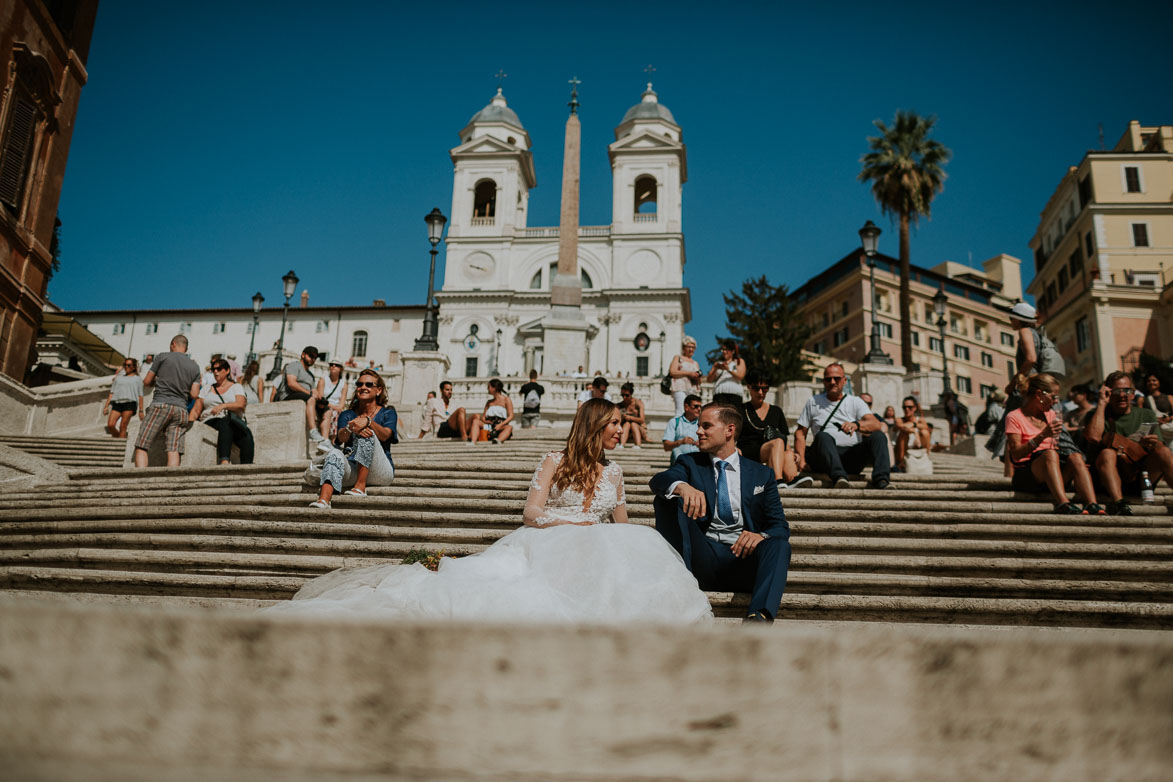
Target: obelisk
565,328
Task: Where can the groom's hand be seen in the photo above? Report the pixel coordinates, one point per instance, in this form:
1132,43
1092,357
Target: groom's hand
693,499
746,543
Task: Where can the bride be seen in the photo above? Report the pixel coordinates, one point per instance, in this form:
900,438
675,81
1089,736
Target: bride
566,563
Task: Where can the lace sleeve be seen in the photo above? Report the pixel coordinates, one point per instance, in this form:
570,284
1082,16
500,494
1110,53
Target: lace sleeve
539,492
619,515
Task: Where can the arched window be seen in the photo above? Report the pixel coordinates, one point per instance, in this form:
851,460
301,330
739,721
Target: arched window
535,283
645,195
358,345
587,283
484,199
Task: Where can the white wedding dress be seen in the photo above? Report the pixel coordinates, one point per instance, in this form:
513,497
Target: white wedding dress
576,567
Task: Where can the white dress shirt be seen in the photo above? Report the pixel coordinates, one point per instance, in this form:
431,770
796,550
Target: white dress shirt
724,530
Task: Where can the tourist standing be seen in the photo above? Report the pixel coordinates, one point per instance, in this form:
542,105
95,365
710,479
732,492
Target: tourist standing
531,401
727,373
685,373
124,400
177,381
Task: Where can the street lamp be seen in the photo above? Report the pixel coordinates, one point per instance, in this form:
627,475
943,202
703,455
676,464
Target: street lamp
258,300
497,354
663,339
429,340
290,282
869,235
939,301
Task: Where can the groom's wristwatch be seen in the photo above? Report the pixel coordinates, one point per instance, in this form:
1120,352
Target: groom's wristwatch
764,536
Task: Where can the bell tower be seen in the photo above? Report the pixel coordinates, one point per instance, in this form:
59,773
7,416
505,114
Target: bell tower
648,170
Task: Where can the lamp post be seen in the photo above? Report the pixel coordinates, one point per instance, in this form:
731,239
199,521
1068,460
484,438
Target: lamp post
939,301
290,283
258,300
869,235
429,340
497,354
663,339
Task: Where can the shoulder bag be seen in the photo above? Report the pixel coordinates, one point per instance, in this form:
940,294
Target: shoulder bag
234,418
1130,451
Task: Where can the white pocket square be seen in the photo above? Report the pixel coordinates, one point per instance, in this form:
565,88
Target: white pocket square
758,490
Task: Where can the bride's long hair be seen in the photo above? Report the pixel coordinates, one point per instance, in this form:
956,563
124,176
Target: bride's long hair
580,465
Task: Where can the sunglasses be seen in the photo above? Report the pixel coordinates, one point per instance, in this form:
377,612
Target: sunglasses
834,379
364,384
625,394
759,388
909,407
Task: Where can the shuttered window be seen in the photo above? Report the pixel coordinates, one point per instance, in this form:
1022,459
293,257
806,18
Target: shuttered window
17,151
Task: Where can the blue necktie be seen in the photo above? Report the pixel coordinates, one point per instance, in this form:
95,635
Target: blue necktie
724,508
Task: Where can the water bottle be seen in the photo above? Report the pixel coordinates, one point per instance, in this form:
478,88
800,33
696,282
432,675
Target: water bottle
1146,489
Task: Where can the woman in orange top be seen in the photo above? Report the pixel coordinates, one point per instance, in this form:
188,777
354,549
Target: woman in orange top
1030,436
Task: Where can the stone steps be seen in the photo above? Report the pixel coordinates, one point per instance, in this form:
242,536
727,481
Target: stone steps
958,546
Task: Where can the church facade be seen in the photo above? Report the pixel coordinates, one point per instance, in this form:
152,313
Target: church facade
498,271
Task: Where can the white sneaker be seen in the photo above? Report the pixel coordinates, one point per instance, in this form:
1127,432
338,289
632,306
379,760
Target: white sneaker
319,504
636,447
801,481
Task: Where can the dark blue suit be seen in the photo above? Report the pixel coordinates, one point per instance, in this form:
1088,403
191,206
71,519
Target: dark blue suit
762,573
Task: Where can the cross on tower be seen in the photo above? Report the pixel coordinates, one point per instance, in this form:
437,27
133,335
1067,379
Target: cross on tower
574,82
649,70
501,76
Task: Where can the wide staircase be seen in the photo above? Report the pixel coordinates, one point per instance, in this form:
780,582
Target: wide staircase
956,547
71,452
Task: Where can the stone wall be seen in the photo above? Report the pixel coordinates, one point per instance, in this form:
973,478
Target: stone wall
58,410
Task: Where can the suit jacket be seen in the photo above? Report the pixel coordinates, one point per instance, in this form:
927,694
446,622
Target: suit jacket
761,508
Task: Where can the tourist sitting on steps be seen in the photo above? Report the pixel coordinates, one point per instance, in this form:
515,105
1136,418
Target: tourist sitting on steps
597,390
1126,441
634,418
330,397
443,417
366,432
221,405
253,384
845,435
764,432
298,383
494,424
913,439
124,400
680,432
1032,432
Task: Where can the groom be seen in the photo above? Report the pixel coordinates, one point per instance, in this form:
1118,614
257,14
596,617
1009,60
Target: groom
722,513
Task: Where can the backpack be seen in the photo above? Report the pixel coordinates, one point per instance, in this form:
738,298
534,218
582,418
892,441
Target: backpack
1048,359
532,399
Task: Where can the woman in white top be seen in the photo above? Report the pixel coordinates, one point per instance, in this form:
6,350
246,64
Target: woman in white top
331,396
496,417
221,406
253,384
685,373
728,374
124,400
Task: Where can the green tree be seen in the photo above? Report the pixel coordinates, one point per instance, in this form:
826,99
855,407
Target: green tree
769,332
907,170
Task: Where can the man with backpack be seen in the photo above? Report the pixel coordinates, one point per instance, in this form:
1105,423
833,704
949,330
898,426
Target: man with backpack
531,401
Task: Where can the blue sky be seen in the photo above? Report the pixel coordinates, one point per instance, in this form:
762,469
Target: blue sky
219,145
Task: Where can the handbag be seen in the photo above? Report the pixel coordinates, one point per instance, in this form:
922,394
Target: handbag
771,433
234,418
1130,451
666,385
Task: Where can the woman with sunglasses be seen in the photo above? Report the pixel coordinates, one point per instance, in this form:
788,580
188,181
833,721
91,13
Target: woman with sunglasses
496,418
912,433
1032,433
366,432
221,406
633,416
124,400
685,373
764,432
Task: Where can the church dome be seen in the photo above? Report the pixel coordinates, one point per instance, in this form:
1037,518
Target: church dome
497,111
649,108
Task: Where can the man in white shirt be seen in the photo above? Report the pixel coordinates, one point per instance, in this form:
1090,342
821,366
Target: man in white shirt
723,514
598,390
844,434
442,418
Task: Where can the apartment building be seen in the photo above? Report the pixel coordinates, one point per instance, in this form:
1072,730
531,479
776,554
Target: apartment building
1101,250
979,344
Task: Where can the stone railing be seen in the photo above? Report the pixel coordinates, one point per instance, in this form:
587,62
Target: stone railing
56,410
552,232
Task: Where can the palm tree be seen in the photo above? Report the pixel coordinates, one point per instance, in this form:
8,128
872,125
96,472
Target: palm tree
906,169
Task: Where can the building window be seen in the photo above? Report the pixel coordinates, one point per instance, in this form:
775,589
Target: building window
1085,191
645,197
1062,279
826,320
840,337
1140,234
322,327
358,344
916,338
1148,279
470,366
218,328
17,148
1089,244
885,330
843,310
1083,335
1132,179
641,366
935,344
1007,339
961,351
484,200
587,282
119,328
987,360
957,325
986,390
1074,265
964,385
152,328
185,328
819,347
393,358
1009,368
